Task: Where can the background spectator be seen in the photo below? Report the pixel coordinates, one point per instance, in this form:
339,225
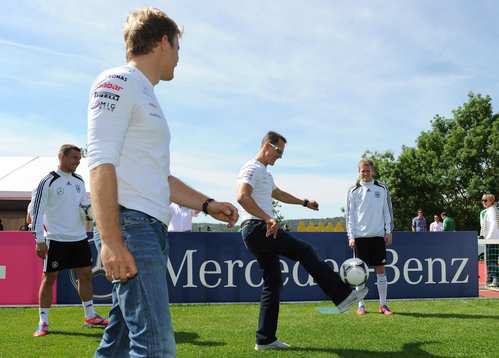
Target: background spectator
24,227
449,224
419,222
1,225
181,220
437,224
489,229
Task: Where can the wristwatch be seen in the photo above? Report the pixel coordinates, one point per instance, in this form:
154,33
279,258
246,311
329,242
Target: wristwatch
205,205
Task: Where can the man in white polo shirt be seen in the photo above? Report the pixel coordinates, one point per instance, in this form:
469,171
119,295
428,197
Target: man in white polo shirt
61,238
266,241
131,185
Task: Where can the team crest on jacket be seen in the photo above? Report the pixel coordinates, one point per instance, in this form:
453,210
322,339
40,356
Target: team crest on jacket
60,191
377,194
55,264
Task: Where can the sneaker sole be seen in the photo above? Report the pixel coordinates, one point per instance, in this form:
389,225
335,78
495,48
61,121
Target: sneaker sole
40,334
270,349
356,300
94,325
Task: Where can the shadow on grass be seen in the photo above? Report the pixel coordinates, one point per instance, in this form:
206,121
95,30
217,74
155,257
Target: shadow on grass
409,350
97,334
193,338
446,315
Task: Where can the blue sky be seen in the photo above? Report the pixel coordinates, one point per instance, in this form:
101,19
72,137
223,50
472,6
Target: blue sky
335,77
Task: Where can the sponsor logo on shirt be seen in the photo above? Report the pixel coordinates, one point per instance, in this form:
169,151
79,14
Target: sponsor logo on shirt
120,77
103,105
110,86
107,95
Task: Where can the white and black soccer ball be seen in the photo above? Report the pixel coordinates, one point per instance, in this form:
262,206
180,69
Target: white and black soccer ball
86,212
354,272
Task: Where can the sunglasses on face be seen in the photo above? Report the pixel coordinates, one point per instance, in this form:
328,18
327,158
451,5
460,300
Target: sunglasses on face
277,149
484,200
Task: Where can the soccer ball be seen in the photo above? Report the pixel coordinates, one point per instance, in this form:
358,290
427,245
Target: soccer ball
354,272
86,212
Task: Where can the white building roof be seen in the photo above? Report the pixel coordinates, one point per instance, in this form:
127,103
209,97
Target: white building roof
20,175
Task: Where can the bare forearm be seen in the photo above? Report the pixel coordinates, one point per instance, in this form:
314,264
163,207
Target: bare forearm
104,198
252,207
184,195
285,197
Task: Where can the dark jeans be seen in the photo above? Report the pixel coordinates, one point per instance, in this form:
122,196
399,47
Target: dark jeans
492,254
267,251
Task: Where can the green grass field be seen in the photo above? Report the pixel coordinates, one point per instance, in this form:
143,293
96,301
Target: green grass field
431,328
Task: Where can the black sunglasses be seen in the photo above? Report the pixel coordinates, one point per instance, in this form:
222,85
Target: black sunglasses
276,148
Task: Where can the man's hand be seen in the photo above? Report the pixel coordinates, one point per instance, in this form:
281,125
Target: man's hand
41,249
224,212
351,243
118,262
313,205
388,239
272,227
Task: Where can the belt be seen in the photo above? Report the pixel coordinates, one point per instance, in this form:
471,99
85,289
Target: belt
250,221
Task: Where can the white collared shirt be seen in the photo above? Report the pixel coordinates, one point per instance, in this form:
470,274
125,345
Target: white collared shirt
436,226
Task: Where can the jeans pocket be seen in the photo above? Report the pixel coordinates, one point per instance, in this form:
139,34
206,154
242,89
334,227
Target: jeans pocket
130,218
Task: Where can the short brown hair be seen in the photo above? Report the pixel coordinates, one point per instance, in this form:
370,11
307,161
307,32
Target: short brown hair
144,28
273,137
66,148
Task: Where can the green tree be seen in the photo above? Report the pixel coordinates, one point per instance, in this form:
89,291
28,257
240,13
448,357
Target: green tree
276,210
450,167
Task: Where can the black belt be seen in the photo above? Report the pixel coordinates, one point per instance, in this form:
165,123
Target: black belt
249,221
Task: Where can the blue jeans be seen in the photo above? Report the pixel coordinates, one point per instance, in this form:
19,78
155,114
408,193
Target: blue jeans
139,320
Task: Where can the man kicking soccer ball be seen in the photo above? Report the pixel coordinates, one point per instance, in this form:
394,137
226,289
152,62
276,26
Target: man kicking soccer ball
264,239
369,227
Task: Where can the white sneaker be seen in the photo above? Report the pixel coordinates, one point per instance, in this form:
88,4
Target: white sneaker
354,297
274,345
